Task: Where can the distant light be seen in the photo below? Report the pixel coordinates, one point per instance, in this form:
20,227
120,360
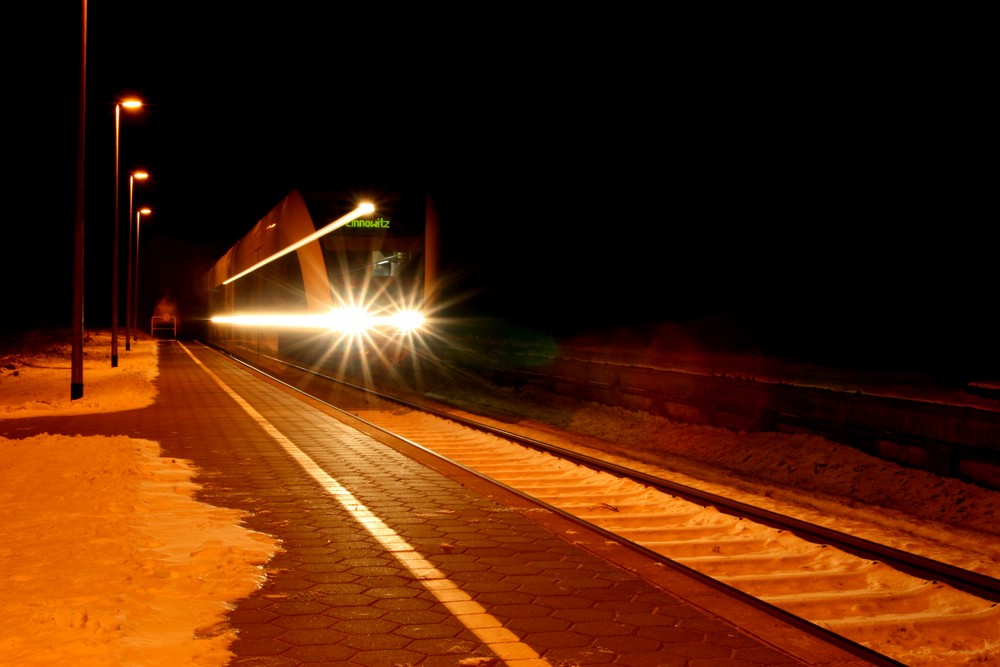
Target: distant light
336,224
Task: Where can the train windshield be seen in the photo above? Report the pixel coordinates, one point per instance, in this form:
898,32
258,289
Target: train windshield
375,279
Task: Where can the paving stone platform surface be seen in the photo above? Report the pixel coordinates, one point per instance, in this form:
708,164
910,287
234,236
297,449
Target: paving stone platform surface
390,560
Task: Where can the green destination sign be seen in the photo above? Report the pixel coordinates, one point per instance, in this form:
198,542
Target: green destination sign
377,223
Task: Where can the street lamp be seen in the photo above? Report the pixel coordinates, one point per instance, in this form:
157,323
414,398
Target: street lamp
133,177
76,338
130,103
135,288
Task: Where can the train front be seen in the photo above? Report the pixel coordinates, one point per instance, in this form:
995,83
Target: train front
325,282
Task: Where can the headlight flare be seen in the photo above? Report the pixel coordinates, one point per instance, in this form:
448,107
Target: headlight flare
406,321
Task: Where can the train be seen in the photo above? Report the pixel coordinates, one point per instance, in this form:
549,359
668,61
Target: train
334,279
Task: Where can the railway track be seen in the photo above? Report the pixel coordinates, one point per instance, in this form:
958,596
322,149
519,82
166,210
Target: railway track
905,608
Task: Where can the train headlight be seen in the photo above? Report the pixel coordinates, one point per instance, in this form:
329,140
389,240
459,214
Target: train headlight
407,321
349,320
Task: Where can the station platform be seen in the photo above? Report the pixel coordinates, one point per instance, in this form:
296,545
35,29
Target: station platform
391,558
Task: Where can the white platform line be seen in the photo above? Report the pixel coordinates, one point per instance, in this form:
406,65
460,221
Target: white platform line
470,613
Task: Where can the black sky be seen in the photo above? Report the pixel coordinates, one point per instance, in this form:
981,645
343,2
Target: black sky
803,192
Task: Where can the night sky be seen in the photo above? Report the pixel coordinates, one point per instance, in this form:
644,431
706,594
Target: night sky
807,195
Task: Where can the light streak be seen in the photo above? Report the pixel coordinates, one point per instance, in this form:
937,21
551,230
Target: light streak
345,320
336,224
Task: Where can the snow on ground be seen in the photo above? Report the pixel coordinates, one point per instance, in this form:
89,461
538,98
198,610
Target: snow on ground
108,559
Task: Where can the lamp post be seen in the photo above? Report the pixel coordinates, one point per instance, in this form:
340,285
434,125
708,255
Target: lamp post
76,337
130,103
135,288
133,177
